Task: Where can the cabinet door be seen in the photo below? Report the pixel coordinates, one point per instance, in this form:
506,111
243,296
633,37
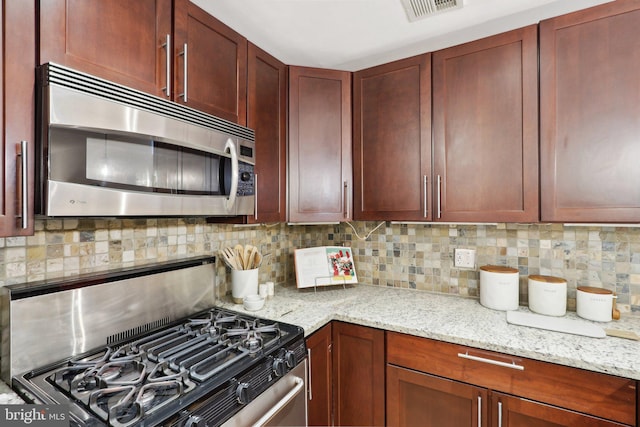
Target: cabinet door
511,411
121,41
266,115
418,399
212,75
598,394
17,107
358,372
320,378
392,141
590,115
485,127
319,145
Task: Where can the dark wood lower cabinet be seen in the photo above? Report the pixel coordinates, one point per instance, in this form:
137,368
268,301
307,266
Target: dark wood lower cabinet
418,399
319,408
358,372
434,383
429,383
511,411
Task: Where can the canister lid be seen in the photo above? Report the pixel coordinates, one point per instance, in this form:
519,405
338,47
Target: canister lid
499,269
595,290
547,279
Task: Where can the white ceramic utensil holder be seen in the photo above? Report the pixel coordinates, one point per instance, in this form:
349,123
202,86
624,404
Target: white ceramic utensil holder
243,283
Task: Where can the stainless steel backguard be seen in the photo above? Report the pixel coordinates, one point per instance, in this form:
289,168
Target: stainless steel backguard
48,321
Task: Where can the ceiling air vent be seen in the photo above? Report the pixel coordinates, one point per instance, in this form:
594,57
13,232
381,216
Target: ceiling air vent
419,9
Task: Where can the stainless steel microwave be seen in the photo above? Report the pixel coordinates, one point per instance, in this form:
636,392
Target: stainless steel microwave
107,150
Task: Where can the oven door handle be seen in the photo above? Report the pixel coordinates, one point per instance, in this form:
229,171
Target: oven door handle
299,385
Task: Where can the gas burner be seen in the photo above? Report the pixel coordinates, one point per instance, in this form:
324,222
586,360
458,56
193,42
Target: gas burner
66,375
117,405
154,396
252,342
163,373
124,406
122,373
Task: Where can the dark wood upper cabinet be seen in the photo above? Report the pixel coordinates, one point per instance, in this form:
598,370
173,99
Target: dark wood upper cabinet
590,115
116,40
392,141
319,145
18,37
128,43
216,64
485,129
266,115
358,372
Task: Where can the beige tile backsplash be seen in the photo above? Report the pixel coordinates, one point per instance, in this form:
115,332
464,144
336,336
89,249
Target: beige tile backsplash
417,256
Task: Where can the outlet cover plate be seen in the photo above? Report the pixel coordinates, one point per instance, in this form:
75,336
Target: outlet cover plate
464,258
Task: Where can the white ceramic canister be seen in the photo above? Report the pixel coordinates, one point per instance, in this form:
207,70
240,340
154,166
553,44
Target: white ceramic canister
499,289
594,303
548,295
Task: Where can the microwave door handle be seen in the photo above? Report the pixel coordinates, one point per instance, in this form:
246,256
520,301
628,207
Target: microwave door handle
231,148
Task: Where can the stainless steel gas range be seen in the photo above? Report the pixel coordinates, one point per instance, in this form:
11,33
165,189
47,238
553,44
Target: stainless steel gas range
147,346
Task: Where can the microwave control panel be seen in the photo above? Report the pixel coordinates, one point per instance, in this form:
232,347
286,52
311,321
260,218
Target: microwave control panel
246,181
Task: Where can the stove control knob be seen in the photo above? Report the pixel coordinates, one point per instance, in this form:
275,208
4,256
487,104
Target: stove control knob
195,421
279,367
242,393
290,358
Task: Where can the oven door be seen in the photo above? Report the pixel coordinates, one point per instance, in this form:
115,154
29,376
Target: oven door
283,404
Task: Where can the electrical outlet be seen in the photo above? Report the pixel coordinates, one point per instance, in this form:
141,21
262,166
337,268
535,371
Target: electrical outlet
464,258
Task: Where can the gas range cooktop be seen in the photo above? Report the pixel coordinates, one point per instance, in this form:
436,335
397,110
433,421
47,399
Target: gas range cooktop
142,367
152,378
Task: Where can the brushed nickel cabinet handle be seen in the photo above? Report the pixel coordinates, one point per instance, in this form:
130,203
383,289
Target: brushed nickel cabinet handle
438,183
479,411
425,180
511,365
310,388
167,46
185,78
24,220
255,196
499,414
346,199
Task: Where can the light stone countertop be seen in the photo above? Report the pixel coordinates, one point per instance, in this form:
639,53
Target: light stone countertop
452,319
447,318
8,396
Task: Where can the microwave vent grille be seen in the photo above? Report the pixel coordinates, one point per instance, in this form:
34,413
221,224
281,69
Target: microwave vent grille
58,75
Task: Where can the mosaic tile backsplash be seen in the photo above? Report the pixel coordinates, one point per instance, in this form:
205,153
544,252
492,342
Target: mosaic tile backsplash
415,256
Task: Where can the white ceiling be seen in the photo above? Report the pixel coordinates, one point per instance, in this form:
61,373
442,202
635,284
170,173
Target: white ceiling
355,34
